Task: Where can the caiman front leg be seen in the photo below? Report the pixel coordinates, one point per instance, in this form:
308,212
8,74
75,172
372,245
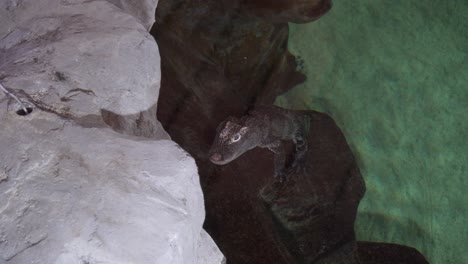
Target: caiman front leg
279,159
301,150
300,140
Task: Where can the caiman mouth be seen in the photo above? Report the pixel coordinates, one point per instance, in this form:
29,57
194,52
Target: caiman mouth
218,159
219,162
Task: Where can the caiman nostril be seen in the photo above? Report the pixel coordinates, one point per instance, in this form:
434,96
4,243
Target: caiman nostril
215,157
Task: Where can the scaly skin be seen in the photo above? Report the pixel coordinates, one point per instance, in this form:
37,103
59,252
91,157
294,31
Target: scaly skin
265,127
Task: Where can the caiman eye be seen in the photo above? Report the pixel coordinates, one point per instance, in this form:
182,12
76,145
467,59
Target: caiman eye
236,137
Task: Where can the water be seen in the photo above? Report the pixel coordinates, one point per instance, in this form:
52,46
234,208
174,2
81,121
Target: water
394,76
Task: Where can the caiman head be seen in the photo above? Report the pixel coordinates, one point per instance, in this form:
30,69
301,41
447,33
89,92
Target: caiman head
233,138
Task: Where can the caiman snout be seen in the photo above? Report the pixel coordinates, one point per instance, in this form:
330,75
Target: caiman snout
215,157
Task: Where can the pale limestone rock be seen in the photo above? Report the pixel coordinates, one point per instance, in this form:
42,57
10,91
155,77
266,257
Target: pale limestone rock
143,10
78,59
71,189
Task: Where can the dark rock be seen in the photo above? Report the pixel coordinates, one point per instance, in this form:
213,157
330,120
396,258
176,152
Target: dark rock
216,62
219,59
294,11
316,208
386,253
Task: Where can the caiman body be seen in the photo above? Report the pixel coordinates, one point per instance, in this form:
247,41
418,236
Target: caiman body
265,127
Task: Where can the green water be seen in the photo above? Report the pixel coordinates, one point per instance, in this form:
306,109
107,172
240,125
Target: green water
394,76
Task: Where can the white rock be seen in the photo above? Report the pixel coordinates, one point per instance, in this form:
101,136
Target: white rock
71,189
143,10
78,59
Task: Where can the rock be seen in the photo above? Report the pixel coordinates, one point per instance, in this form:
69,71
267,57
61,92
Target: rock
46,59
89,194
220,58
315,210
3,175
216,62
386,253
211,70
72,190
284,11
208,251
143,10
